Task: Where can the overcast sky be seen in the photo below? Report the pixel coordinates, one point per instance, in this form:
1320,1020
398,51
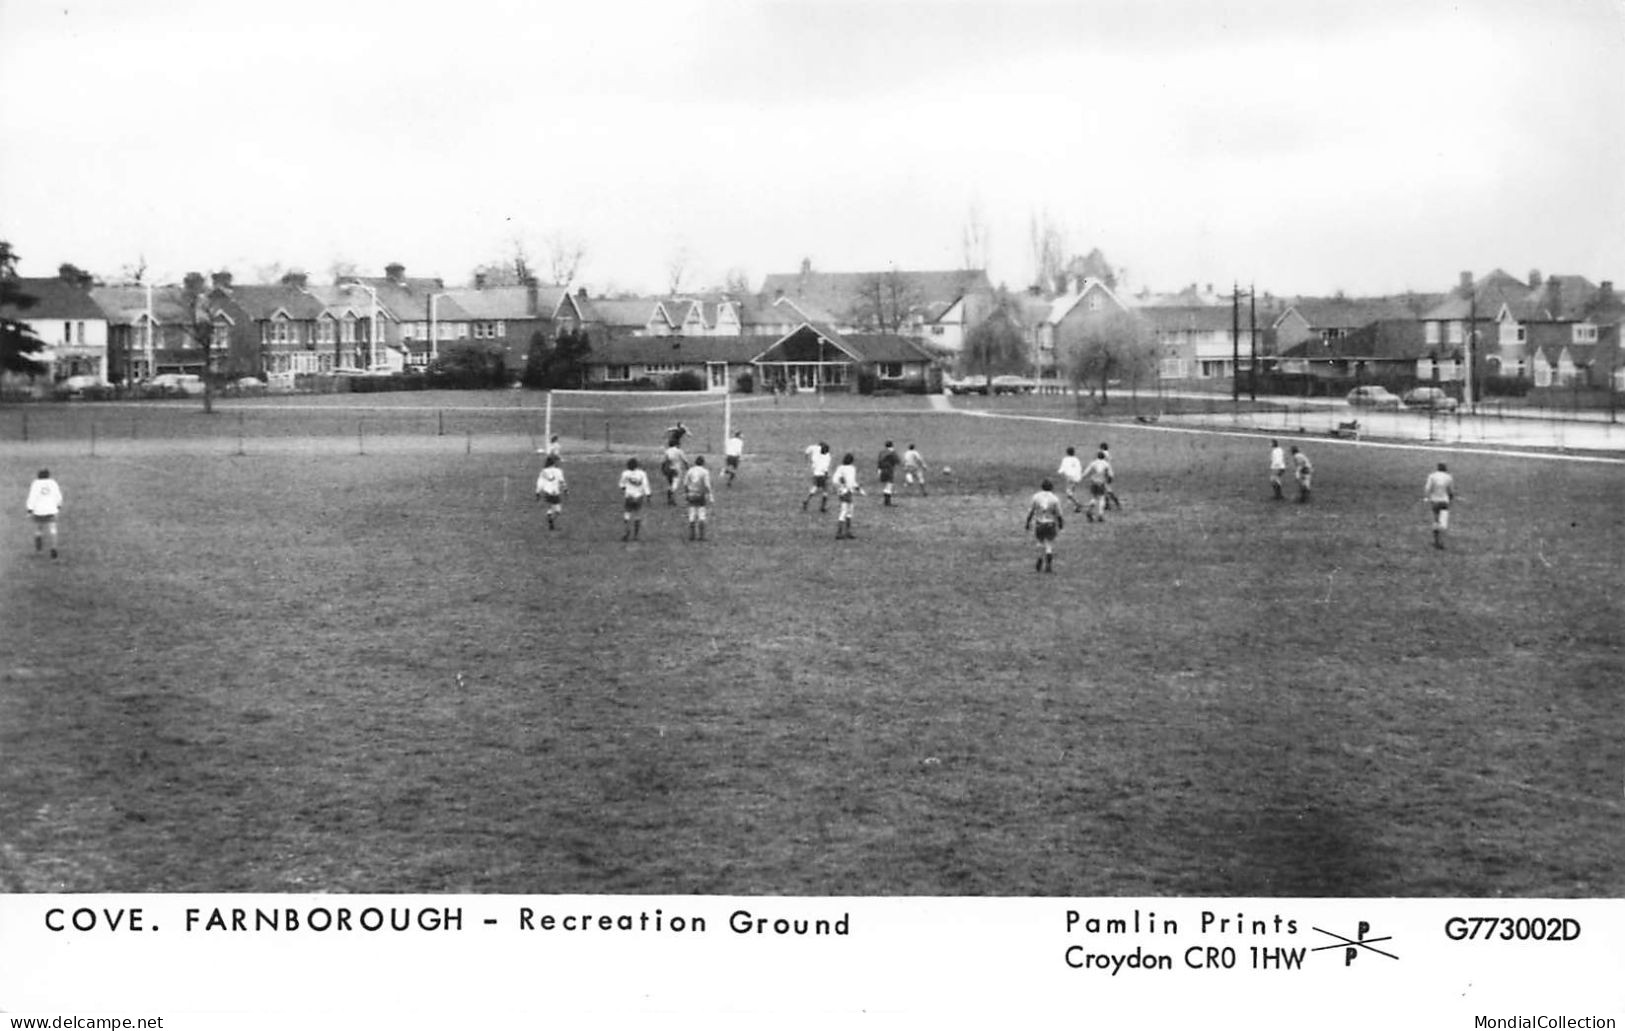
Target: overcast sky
1305,147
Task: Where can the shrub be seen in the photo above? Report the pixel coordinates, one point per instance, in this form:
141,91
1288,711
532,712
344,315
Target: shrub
746,383
1506,386
686,380
867,381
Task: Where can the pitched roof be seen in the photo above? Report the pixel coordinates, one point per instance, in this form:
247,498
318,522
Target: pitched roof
683,350
1062,306
260,302
1193,318
127,305
1346,312
884,347
840,293
499,302
619,311
1398,339
54,298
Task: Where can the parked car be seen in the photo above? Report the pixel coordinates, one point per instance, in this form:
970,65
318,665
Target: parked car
246,386
91,387
1429,397
966,385
1013,385
1373,397
175,384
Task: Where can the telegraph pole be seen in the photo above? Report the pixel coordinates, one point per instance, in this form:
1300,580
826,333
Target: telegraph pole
1252,315
1235,342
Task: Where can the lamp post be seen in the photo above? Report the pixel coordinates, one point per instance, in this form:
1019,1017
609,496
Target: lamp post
434,340
372,333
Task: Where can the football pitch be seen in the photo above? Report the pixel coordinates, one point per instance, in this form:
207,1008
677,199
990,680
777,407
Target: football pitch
306,649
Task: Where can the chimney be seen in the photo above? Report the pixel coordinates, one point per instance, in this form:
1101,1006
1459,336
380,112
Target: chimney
1466,284
479,280
294,279
193,282
1554,297
395,272
806,266
1534,279
581,292
1605,294
222,280
532,301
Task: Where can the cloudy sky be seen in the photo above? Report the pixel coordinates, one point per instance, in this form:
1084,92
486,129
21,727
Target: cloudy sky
1305,147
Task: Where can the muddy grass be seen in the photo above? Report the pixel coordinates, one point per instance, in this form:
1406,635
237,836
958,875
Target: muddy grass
322,666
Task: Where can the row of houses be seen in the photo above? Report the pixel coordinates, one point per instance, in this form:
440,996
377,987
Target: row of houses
821,329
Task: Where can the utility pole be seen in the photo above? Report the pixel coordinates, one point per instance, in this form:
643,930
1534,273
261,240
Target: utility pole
1252,365
1235,342
1469,394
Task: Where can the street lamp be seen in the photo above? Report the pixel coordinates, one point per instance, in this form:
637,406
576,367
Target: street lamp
372,334
434,340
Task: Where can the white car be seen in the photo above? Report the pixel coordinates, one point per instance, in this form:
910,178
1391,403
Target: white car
175,384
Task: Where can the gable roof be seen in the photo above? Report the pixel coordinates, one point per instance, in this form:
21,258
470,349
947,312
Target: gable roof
884,347
1383,340
682,350
54,298
1344,312
930,293
1062,306
127,305
262,302
1193,318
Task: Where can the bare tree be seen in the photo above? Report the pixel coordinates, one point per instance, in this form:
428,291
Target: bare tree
736,283
995,346
1048,242
885,303
565,254
976,239
1116,347
676,267
134,271
197,323
342,269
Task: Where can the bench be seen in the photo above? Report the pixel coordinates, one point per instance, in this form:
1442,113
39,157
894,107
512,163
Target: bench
1349,429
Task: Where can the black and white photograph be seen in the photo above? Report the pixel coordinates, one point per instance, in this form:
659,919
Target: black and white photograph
889,491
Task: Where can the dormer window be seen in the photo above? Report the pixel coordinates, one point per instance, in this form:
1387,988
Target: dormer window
1585,333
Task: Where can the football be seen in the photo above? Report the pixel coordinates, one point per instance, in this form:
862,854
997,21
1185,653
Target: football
947,471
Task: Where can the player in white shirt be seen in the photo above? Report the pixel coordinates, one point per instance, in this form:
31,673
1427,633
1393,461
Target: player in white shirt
846,485
1099,475
635,490
697,492
913,468
819,459
1044,518
1439,491
732,452
44,502
673,465
1071,471
1277,469
551,488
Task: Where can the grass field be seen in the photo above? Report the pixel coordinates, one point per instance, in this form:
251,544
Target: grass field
285,651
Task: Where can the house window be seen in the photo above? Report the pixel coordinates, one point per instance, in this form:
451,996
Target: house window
1585,333
501,329
1430,332
1453,332
280,333
327,331
938,330
891,370
1173,368
617,372
1215,369
662,367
